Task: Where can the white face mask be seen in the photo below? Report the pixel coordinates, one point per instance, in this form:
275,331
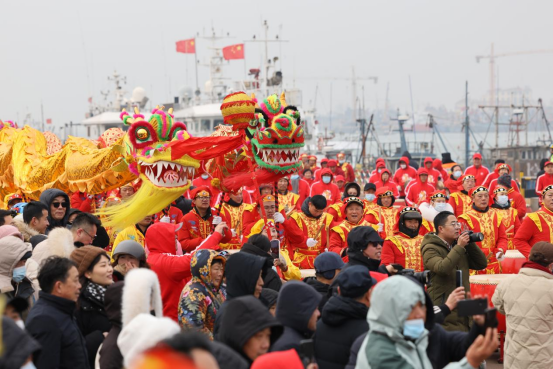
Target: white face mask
440,206
502,200
457,174
403,166
326,179
205,176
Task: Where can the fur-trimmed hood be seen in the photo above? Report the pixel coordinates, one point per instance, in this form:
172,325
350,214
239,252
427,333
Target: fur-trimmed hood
140,293
59,243
25,230
12,250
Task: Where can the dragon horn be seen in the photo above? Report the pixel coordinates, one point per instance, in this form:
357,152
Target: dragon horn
170,111
283,100
136,110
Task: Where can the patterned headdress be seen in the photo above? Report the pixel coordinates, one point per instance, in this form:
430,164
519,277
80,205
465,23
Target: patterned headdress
499,189
547,189
353,200
438,194
477,189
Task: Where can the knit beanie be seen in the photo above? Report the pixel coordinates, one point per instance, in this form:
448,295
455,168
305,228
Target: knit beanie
83,257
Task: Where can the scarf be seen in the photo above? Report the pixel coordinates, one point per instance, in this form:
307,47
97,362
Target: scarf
480,211
233,203
534,265
95,292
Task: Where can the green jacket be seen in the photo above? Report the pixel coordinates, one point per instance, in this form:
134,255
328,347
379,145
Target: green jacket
443,263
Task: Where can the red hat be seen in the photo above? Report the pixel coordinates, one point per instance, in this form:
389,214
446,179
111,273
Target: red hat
547,189
324,160
500,166
340,178
467,176
312,157
428,160
340,155
499,189
477,156
304,155
422,171
380,160
547,163
351,200
473,191
438,194
332,163
384,192
380,164
200,191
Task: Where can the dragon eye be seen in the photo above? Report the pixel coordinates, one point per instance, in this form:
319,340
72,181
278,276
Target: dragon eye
142,134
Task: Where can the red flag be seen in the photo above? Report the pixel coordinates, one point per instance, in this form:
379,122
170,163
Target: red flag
48,121
233,52
187,46
90,100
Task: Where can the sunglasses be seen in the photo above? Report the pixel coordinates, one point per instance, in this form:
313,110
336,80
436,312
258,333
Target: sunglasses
58,204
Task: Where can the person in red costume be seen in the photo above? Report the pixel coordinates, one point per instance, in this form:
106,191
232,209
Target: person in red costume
313,163
204,180
433,175
340,182
252,215
287,200
404,174
509,216
232,212
317,172
437,163
479,171
420,190
438,203
480,218
85,202
307,232
335,210
304,161
173,271
404,248
346,167
375,176
376,165
536,226
385,181
385,217
300,187
493,175
335,169
461,201
326,188
455,179
544,180
502,170
353,210
308,177
198,224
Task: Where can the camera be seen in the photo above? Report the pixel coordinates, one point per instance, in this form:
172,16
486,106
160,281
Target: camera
475,236
421,277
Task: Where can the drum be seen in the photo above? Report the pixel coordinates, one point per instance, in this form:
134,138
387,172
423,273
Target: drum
484,285
512,262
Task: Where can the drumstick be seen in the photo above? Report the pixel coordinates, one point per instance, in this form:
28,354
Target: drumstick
320,230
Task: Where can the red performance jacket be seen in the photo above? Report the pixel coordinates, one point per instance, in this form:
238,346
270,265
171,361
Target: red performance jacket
173,271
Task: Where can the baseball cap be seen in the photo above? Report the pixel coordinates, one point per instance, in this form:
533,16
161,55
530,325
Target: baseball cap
327,262
355,281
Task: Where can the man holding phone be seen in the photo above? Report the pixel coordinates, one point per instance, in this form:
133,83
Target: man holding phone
444,253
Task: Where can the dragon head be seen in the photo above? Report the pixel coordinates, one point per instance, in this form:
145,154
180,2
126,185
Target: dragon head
277,148
147,154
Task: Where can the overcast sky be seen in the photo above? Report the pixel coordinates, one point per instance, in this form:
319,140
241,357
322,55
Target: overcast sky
61,52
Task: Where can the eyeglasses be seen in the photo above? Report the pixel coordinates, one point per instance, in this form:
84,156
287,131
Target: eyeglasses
89,235
455,224
58,204
203,197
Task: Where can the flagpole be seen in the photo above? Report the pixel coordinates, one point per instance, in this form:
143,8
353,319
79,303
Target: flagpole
196,66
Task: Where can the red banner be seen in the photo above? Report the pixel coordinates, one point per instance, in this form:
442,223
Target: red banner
233,52
187,46
48,121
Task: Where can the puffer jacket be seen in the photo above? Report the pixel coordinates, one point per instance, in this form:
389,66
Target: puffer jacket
443,264
201,299
526,299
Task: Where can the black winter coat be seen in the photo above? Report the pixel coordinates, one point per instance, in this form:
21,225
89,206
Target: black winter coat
270,276
47,198
323,289
52,324
342,321
93,322
296,303
110,355
242,272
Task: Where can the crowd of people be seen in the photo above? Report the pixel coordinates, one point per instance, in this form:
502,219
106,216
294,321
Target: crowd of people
322,269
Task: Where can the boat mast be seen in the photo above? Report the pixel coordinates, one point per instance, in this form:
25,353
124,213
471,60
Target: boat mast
467,127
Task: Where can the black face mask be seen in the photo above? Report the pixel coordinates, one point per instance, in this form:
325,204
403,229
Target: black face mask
412,233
